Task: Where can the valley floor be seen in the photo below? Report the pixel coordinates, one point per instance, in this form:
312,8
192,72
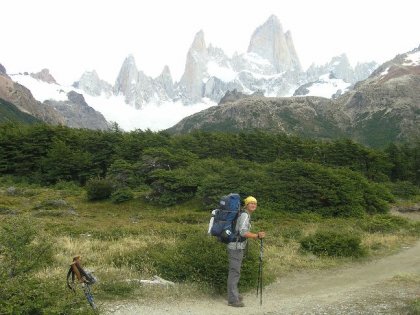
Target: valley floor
381,286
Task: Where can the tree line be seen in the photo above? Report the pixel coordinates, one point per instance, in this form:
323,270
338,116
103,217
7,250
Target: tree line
338,177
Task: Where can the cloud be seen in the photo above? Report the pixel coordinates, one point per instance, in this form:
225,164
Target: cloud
152,116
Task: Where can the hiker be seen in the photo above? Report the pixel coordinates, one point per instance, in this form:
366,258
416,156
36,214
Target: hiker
236,250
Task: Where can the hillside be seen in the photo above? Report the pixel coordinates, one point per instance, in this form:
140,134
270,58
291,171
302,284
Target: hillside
311,116
10,113
379,110
386,107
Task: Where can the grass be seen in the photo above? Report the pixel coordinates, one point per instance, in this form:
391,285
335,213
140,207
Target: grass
117,240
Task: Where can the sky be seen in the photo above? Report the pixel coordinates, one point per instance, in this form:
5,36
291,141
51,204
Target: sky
70,37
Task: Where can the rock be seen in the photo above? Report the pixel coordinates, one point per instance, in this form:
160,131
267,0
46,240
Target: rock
44,75
156,280
78,114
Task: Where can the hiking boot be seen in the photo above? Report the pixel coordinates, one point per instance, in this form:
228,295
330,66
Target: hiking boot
237,304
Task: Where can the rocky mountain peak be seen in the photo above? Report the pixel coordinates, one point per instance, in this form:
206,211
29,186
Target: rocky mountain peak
191,85
293,54
127,78
273,21
92,84
44,75
341,68
165,72
76,98
199,44
270,42
2,70
77,113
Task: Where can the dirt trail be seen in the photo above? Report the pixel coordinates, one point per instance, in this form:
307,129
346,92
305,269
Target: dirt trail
362,288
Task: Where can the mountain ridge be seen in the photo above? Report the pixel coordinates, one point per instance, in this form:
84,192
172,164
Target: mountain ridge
381,109
271,64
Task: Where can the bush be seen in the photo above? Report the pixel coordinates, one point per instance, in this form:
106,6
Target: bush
99,189
332,243
195,258
200,258
298,187
403,189
23,252
414,307
31,295
171,187
383,224
122,195
22,248
126,174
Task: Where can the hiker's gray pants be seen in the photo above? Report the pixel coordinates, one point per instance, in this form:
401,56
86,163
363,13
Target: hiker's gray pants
235,263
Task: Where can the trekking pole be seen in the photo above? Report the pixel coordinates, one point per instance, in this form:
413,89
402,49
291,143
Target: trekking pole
260,273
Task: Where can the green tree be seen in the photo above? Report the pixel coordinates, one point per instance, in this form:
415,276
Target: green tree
63,162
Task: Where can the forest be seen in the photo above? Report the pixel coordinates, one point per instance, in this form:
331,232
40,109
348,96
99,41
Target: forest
334,178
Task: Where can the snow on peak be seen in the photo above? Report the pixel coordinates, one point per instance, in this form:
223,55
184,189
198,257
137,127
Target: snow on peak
41,90
412,59
152,116
255,58
327,87
223,73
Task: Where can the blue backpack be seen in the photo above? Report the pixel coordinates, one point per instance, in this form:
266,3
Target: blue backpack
223,221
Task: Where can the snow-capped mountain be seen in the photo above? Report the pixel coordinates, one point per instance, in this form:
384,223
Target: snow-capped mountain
270,67
340,68
377,111
113,108
326,86
60,105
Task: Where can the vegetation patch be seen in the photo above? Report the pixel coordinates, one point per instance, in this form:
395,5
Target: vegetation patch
333,243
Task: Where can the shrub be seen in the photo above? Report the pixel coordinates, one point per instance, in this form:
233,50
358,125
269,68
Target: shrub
298,187
23,249
383,223
196,258
99,189
414,307
171,187
333,243
404,189
32,295
122,195
125,174
200,258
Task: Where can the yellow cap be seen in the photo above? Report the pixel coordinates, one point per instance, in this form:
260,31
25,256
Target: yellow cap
249,199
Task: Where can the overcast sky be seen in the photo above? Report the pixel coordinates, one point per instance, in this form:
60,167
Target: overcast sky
71,36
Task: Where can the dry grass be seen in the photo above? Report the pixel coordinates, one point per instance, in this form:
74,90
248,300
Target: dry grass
102,230
381,244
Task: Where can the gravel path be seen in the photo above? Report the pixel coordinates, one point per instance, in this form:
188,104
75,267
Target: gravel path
364,288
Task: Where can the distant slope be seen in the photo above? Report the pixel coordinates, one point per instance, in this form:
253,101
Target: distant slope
10,113
22,98
313,117
382,109
386,107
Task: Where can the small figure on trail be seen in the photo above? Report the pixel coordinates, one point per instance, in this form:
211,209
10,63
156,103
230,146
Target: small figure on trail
236,250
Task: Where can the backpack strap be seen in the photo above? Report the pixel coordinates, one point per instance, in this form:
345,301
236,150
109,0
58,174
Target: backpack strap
239,238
